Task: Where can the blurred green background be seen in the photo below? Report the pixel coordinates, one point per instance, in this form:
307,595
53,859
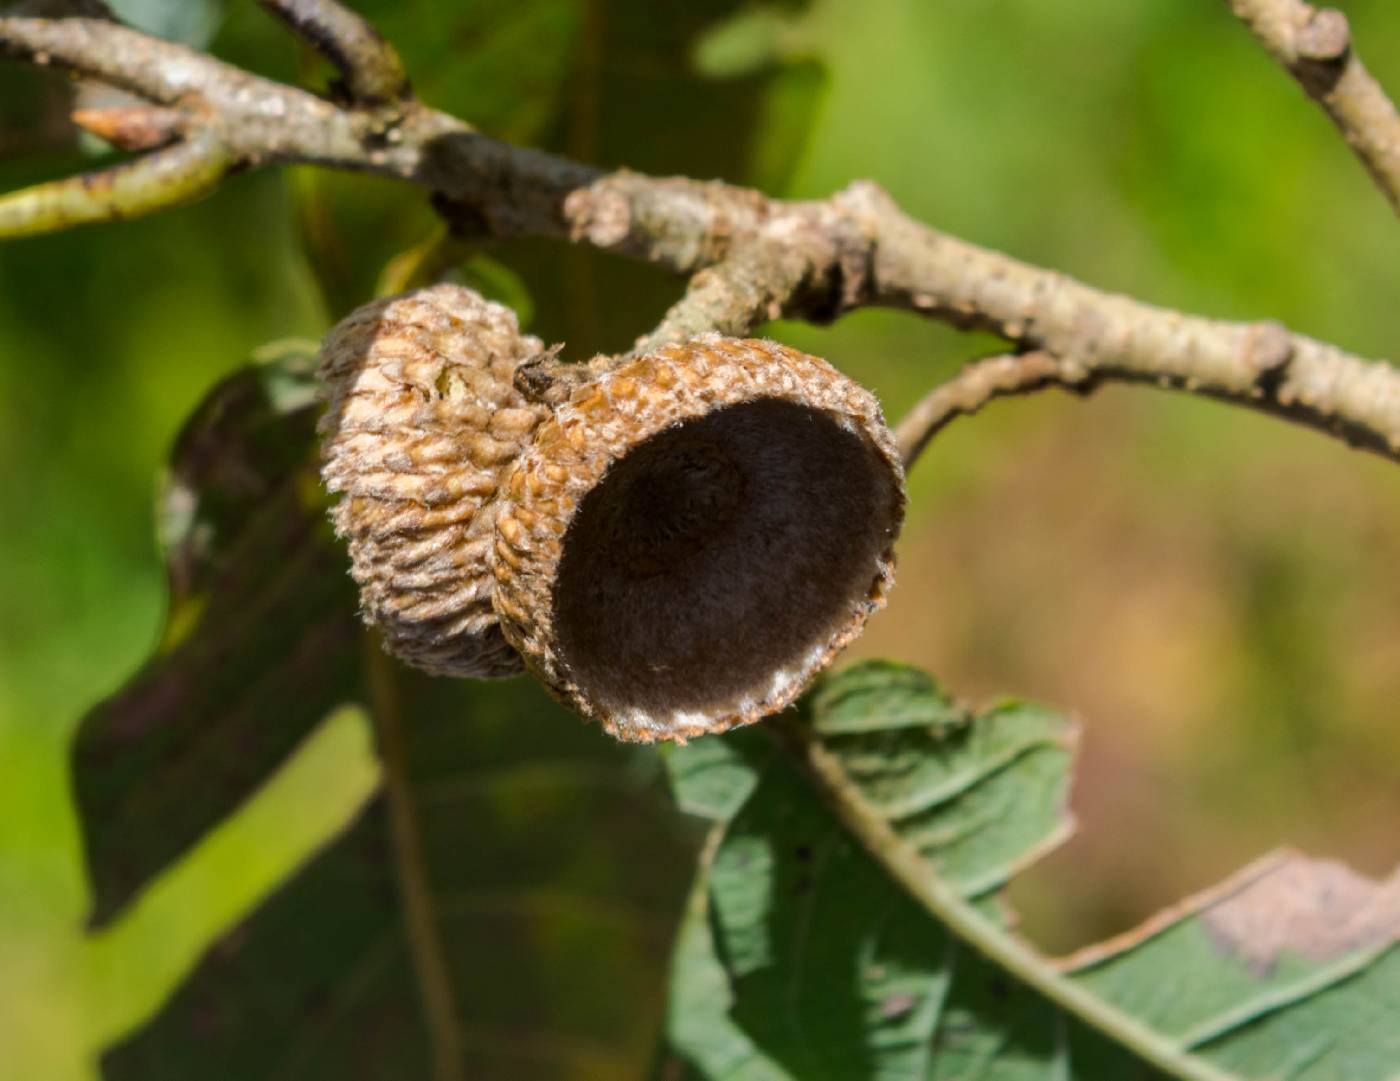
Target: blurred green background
1214,593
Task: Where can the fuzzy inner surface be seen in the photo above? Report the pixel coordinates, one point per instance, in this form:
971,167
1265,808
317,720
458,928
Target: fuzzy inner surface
711,566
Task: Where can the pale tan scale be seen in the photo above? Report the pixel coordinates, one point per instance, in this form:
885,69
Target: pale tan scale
408,519
513,422
414,384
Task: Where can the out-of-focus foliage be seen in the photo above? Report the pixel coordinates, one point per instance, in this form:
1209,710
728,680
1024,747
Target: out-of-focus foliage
1214,593
191,22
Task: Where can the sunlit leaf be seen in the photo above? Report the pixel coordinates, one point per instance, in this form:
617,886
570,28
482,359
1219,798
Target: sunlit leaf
1287,969
831,970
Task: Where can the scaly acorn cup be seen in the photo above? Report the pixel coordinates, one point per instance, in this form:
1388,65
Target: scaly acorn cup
422,421
695,534
676,549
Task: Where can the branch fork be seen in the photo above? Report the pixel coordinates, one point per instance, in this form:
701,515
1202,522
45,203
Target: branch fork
748,259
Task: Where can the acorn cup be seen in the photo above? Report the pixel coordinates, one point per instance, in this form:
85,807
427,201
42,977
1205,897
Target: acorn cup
676,549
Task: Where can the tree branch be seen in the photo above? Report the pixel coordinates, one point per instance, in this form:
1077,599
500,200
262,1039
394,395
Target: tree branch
756,258
1314,44
1108,336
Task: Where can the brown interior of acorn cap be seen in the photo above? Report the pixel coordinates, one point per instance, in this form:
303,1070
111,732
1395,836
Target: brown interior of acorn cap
720,554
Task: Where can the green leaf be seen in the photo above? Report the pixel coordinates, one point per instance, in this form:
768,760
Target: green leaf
748,41
979,798
513,850
500,64
836,972
496,281
190,22
1287,969
785,125
777,43
129,967
553,870
260,641
698,1026
806,959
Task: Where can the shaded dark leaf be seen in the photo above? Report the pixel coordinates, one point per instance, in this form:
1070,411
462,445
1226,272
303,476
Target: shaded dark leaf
260,640
555,867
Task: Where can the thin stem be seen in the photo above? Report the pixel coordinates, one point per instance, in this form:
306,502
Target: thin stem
923,883
732,297
420,911
178,174
973,387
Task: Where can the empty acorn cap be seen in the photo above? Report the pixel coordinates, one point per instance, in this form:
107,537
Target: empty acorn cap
423,421
693,535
